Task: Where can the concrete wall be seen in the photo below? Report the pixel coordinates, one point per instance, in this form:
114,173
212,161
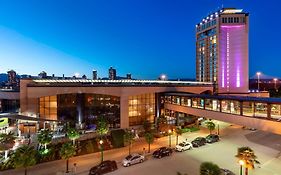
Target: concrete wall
265,125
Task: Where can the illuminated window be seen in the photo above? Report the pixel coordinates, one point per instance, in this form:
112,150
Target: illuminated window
141,108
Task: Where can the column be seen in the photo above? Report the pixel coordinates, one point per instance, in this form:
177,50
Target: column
158,107
241,107
268,110
124,112
80,110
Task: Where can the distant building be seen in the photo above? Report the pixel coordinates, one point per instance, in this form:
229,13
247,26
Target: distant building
95,75
222,50
42,74
112,73
12,77
129,76
84,77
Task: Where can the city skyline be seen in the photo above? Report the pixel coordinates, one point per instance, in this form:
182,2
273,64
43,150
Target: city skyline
104,35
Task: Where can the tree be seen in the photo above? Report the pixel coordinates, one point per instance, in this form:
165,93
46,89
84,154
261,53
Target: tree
24,157
7,142
211,126
129,138
146,126
209,168
247,155
73,135
149,138
45,137
102,126
178,132
66,152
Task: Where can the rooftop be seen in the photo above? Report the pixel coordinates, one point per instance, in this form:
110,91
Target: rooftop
87,82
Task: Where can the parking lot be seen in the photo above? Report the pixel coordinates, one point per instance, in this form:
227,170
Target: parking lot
221,153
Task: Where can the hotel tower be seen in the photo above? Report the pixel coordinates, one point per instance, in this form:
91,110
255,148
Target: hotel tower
222,50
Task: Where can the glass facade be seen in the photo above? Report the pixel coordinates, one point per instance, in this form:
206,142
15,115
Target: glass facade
9,105
245,108
48,107
141,108
69,107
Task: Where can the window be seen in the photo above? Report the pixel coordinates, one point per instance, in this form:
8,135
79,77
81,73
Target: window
141,108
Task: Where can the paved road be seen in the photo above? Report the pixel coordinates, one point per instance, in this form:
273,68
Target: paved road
221,153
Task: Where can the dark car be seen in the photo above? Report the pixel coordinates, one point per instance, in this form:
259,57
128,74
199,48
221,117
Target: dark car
199,141
162,152
212,138
103,168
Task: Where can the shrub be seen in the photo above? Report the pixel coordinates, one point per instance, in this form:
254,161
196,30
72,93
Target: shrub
118,138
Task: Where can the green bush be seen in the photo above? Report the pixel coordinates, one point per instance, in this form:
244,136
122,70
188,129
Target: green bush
190,129
117,138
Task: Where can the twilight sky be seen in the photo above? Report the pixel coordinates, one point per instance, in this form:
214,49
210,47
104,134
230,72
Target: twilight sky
143,37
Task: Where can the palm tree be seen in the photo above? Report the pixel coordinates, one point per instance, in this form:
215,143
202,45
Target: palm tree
149,138
24,157
209,168
66,152
7,142
247,155
211,126
178,133
45,138
73,135
129,138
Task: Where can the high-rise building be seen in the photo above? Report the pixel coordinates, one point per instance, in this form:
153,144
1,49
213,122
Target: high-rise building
112,73
12,77
222,50
95,75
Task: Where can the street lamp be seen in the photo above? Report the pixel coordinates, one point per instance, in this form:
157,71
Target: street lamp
258,74
275,81
169,132
101,149
241,163
163,77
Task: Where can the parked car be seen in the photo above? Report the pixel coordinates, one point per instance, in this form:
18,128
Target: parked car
183,146
199,141
162,152
103,168
226,172
132,159
212,138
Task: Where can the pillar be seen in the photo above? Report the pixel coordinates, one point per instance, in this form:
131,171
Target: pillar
124,112
268,110
80,110
158,107
241,107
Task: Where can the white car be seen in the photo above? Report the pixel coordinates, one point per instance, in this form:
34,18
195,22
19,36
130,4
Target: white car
183,146
132,159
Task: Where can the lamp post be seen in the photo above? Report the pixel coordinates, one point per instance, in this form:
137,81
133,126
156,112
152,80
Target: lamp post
170,142
101,149
275,81
258,74
241,163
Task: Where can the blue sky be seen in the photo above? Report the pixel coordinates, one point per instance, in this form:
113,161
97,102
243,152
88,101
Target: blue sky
143,37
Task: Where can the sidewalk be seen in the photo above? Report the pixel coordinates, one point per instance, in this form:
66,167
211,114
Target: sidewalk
85,162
